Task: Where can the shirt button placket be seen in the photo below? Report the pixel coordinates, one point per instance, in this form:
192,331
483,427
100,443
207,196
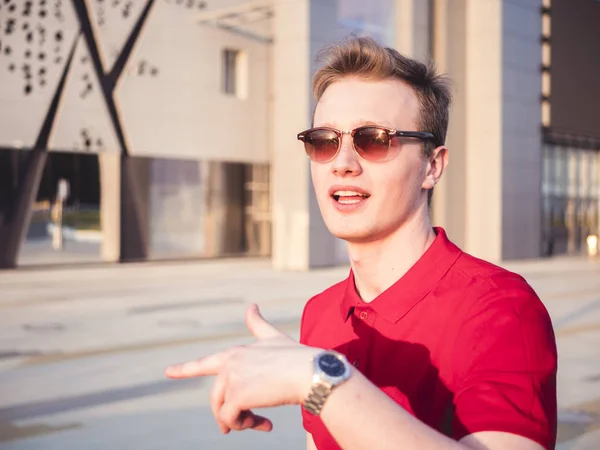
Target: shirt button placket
359,354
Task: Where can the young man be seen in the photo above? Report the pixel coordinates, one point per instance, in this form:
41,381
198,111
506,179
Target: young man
422,346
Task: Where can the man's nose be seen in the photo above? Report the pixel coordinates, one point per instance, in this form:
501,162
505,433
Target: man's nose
346,161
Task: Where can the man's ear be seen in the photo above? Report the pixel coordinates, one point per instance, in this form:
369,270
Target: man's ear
435,167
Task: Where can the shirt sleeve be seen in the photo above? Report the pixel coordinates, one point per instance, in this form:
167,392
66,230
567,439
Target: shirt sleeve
506,378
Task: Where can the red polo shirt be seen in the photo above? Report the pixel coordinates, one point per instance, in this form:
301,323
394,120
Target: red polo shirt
463,345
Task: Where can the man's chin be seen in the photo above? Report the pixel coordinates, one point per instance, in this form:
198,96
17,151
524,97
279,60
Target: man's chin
352,236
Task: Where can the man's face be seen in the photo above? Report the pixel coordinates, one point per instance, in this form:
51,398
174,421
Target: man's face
392,191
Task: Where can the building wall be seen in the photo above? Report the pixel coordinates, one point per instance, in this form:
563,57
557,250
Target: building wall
169,98
32,59
170,106
159,98
489,200
182,112
574,92
521,136
571,128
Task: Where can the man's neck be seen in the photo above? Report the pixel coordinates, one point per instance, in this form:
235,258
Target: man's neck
378,265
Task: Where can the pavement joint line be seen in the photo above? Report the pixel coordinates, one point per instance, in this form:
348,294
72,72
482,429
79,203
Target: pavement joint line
577,314
285,325
10,432
64,404
577,329
240,332
569,295
62,299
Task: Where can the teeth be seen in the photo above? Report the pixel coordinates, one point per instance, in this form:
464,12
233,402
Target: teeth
348,197
349,194
348,201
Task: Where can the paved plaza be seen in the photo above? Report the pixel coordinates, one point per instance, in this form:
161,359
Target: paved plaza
83,349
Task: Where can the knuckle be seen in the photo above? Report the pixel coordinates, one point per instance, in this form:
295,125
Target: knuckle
232,395
236,398
236,352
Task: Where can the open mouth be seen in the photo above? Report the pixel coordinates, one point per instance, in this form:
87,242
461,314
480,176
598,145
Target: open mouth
349,197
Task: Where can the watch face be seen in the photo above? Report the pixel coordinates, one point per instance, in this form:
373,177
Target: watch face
332,366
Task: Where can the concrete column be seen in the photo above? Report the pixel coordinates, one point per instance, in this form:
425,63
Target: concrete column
489,200
291,113
413,35
521,130
483,233
449,51
467,202
324,249
110,212
300,238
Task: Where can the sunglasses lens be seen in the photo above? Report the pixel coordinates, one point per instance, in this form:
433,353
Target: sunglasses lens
321,145
373,144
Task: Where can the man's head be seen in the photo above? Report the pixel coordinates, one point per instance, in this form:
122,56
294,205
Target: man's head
364,84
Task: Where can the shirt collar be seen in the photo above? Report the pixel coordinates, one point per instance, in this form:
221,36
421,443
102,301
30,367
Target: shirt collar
411,288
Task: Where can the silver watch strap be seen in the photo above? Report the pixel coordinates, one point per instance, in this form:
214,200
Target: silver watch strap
317,396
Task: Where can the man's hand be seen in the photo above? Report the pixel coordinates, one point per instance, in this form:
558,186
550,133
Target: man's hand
273,371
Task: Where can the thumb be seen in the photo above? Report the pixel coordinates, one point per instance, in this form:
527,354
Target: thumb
258,326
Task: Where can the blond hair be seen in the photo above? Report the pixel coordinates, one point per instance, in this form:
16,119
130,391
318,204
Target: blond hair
365,58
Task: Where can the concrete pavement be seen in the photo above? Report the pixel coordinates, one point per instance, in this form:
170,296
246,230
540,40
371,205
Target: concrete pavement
82,350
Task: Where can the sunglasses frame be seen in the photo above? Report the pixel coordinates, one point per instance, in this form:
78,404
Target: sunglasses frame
422,135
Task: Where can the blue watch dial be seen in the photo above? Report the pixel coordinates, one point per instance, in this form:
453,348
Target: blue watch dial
332,366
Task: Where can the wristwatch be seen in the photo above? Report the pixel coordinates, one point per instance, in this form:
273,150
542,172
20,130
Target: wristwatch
330,370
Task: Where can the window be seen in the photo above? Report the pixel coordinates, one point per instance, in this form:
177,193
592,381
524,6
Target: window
230,71
235,73
570,197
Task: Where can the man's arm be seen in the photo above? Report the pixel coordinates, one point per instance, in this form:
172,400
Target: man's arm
276,371
485,440
359,415
505,383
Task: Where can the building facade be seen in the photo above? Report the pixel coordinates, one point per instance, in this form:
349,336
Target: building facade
174,124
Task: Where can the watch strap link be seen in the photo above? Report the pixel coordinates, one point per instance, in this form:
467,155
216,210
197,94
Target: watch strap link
317,396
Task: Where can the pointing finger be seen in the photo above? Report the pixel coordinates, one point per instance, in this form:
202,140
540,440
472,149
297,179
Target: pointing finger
211,365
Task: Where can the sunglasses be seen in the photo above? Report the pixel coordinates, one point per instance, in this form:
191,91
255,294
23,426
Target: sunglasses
371,143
